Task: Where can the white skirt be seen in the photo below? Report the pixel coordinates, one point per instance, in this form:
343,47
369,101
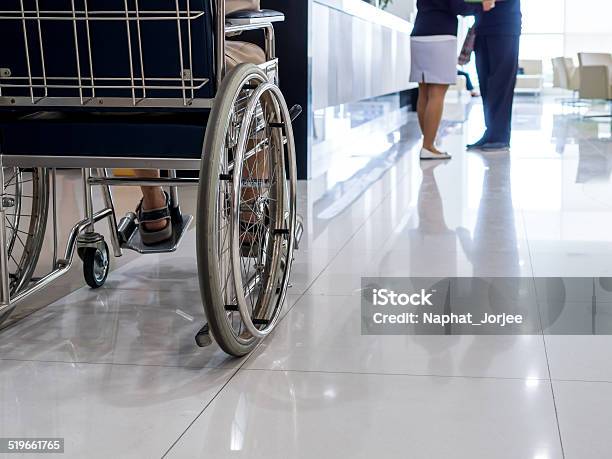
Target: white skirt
433,59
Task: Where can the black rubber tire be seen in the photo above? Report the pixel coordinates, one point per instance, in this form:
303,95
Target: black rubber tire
210,282
96,265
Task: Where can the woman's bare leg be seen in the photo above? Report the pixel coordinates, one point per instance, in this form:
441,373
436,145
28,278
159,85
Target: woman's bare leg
433,115
422,105
153,197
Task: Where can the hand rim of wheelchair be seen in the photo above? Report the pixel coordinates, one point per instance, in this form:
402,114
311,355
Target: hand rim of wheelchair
35,234
236,256
27,261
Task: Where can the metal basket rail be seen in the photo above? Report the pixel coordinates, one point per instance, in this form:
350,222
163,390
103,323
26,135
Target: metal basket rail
72,53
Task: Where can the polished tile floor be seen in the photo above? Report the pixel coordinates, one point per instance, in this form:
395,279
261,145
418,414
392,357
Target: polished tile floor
117,374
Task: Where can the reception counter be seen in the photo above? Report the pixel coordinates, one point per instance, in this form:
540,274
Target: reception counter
335,52
358,52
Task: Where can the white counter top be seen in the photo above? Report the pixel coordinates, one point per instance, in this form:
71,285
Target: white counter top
367,12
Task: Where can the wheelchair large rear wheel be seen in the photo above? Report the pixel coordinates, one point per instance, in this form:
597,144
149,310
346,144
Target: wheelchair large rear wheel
246,210
26,202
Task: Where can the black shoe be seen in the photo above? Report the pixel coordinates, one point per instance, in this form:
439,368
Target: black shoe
495,146
477,145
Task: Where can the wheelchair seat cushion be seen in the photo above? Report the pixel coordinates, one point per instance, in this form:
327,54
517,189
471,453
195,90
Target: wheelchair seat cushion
142,135
238,5
239,52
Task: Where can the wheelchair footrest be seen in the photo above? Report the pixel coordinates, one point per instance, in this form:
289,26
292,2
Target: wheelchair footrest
179,227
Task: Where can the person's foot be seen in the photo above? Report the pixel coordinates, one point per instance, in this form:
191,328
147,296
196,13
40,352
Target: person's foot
153,203
477,145
495,146
154,223
433,153
433,149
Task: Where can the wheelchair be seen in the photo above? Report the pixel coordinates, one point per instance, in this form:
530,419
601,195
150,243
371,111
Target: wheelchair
104,85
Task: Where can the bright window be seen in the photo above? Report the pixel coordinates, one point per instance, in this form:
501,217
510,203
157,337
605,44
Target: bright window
554,28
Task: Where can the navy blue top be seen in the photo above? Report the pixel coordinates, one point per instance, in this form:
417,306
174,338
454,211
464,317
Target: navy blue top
439,17
504,19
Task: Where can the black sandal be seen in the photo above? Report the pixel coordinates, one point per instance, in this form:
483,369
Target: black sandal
154,216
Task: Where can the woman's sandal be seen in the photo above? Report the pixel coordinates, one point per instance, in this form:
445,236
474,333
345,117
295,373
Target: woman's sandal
154,216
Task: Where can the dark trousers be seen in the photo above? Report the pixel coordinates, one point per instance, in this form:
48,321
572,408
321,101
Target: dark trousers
497,66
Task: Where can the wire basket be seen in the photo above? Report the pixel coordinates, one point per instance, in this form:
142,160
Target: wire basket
117,53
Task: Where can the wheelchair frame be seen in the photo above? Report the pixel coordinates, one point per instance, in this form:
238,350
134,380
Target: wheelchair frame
95,169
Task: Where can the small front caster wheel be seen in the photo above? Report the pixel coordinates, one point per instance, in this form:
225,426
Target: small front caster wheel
96,265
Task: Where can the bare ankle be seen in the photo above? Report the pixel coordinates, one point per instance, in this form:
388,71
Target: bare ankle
154,200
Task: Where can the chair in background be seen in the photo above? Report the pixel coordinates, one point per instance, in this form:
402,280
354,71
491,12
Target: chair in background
558,70
573,73
567,76
531,79
591,59
596,78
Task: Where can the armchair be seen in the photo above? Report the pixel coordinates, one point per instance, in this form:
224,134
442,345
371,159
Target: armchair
596,77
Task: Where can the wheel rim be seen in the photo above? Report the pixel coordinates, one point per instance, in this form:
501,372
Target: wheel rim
100,266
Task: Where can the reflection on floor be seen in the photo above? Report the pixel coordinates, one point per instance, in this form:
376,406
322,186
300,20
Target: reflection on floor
116,371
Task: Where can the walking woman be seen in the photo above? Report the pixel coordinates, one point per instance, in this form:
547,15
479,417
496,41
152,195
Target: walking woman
434,62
